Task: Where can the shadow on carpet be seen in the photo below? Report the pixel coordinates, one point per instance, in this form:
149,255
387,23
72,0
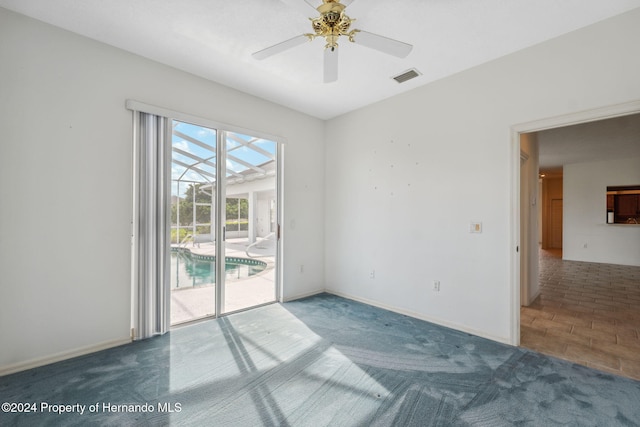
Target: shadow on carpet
322,361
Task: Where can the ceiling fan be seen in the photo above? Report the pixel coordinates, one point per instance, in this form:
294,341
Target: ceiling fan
332,24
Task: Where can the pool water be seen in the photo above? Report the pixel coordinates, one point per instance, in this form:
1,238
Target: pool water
189,270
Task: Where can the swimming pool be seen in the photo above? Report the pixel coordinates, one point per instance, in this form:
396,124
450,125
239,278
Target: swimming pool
191,270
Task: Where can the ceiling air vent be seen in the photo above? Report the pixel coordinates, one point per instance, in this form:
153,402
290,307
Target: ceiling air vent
407,75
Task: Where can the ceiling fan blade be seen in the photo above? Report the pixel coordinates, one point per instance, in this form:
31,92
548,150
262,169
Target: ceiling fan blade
280,47
330,65
383,44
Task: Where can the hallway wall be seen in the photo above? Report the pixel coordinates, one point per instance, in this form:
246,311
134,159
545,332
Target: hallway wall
587,236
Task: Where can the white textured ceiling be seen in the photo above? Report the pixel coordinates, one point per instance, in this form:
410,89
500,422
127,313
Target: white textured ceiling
214,39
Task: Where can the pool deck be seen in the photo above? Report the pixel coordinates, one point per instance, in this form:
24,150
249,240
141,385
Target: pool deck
195,303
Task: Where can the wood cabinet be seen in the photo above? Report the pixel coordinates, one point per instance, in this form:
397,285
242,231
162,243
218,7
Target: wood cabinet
625,204
610,203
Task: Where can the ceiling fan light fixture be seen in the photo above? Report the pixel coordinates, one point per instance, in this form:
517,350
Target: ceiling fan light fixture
332,24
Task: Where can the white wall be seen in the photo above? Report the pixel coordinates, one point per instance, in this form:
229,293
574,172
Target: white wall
405,176
259,192
403,179
584,220
66,180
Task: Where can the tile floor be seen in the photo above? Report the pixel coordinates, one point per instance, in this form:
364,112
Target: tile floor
587,313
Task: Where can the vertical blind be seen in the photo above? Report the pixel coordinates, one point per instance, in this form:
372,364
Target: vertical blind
152,207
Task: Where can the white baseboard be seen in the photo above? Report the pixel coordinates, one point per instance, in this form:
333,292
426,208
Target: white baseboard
429,319
300,296
533,297
34,363
58,357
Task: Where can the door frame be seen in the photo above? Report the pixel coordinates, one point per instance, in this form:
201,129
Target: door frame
596,114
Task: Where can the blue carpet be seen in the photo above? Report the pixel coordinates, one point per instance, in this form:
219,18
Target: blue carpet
320,361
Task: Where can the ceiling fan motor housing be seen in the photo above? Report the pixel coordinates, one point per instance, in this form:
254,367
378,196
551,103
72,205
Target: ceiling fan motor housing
332,23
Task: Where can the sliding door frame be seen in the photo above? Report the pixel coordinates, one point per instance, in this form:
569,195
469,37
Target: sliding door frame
221,219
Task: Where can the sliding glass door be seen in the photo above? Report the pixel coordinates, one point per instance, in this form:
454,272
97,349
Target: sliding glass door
227,208
250,221
193,252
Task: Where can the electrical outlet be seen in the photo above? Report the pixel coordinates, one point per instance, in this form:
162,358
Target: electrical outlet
436,286
372,274
301,269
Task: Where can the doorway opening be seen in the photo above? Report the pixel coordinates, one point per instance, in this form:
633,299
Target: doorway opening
556,317
224,215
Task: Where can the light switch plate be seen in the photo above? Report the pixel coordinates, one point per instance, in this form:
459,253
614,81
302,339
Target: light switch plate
475,227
